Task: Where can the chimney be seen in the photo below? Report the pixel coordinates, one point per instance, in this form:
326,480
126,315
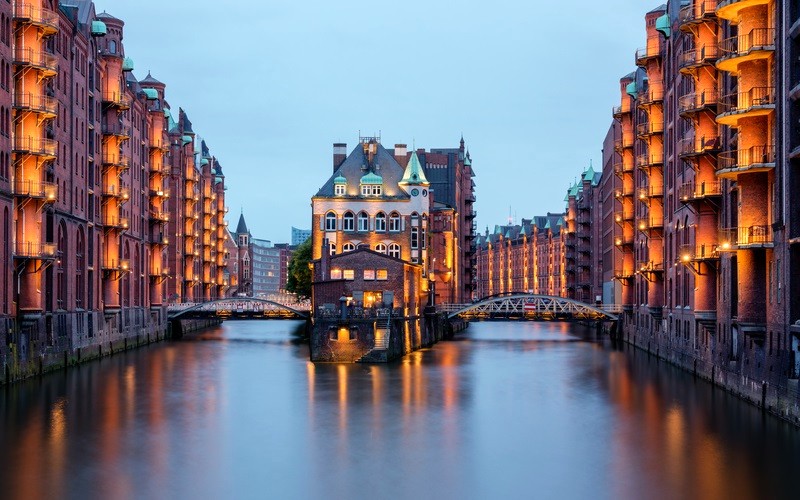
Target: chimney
401,154
339,155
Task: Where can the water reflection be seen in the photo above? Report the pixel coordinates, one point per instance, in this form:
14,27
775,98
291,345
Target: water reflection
508,410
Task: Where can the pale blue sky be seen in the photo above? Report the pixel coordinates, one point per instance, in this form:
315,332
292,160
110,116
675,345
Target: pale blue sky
272,85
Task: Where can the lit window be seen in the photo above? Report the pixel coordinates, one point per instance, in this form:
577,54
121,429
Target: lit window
371,189
333,248
394,250
363,222
380,248
348,247
338,189
349,221
336,274
349,274
382,274
394,222
380,222
330,221
369,274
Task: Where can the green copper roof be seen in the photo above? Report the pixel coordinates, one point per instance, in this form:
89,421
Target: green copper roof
372,178
99,28
588,174
203,162
631,89
127,64
663,25
414,173
152,94
341,180
187,139
467,160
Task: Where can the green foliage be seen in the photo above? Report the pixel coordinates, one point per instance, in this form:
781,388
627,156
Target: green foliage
299,281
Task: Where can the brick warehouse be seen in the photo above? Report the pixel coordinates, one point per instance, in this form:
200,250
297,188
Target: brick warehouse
100,190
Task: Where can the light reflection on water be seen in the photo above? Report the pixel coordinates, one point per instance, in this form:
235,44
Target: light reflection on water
513,410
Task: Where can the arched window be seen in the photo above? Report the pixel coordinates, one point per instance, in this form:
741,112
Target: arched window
363,222
394,250
125,286
380,222
414,219
394,222
332,247
349,221
330,221
348,247
63,261
112,47
380,248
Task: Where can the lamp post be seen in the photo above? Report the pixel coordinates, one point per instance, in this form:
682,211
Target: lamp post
432,284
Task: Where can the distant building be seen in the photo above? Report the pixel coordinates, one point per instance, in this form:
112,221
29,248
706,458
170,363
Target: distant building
300,235
244,246
266,268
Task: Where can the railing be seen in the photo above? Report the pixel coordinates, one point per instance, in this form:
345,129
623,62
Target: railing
624,239
652,267
747,158
25,56
36,102
705,251
646,223
36,146
624,274
757,235
157,141
651,50
621,216
30,250
692,146
646,97
697,11
650,192
649,160
159,193
623,192
118,160
743,102
116,264
622,167
625,142
25,12
117,129
47,191
117,99
693,58
116,192
691,191
649,128
741,45
115,222
698,101
164,271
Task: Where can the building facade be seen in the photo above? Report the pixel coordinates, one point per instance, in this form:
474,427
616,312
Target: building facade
299,235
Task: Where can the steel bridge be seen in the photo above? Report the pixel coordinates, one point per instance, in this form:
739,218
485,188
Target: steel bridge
239,308
529,306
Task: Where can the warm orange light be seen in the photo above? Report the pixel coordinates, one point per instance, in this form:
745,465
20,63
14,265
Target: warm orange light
686,257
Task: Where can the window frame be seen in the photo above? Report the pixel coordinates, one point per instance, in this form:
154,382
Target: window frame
330,221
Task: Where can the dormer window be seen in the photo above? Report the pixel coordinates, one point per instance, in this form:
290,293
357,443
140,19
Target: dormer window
339,186
339,189
371,190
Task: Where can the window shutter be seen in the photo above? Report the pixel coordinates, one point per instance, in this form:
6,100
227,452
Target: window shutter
372,223
322,223
339,223
402,223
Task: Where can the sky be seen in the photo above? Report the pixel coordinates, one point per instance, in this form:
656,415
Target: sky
271,85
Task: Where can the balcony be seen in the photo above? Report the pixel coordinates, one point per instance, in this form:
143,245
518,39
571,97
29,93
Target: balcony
694,59
652,267
623,192
648,128
114,222
691,192
117,130
47,148
647,161
624,108
624,274
752,160
45,63
159,273
742,238
646,224
159,193
649,192
118,100
39,251
650,52
45,20
624,240
729,9
649,97
116,160
758,101
116,192
758,44
691,148
624,143
691,104
157,142
697,12
116,266
697,253
623,167
46,191
622,216
36,103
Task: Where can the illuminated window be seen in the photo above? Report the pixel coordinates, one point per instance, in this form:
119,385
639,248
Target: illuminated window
333,248
369,274
348,247
363,222
394,222
380,248
349,274
382,274
338,189
336,274
371,189
380,222
330,221
349,221
394,250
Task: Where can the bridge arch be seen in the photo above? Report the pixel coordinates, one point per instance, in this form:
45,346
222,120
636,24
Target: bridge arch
527,304
219,307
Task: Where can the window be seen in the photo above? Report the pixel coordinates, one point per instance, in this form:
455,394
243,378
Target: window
363,222
394,250
332,247
338,189
414,219
371,189
414,237
349,274
336,274
423,239
394,222
380,248
349,221
380,222
330,221
369,274
382,274
348,247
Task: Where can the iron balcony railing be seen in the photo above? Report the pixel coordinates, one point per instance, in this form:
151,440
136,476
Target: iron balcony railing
36,146
622,167
621,216
26,56
695,146
116,222
743,102
690,191
116,192
649,160
623,143
31,250
650,51
704,251
623,192
649,128
698,101
116,264
116,99
744,237
645,223
159,272
652,267
695,58
650,96
116,160
762,157
36,102
644,193
624,274
116,129
624,239
47,191
45,19
757,39
697,11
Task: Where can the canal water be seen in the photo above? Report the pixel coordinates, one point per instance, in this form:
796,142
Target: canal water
507,410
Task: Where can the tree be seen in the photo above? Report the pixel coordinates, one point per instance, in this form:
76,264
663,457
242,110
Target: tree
299,281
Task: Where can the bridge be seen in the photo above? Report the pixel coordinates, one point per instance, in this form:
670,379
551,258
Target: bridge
529,306
239,308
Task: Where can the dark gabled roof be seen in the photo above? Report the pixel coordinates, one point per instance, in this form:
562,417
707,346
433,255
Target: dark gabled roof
187,124
660,8
108,17
149,80
373,252
241,228
357,165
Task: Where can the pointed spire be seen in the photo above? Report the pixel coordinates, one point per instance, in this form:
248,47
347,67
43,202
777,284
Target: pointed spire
241,228
414,173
